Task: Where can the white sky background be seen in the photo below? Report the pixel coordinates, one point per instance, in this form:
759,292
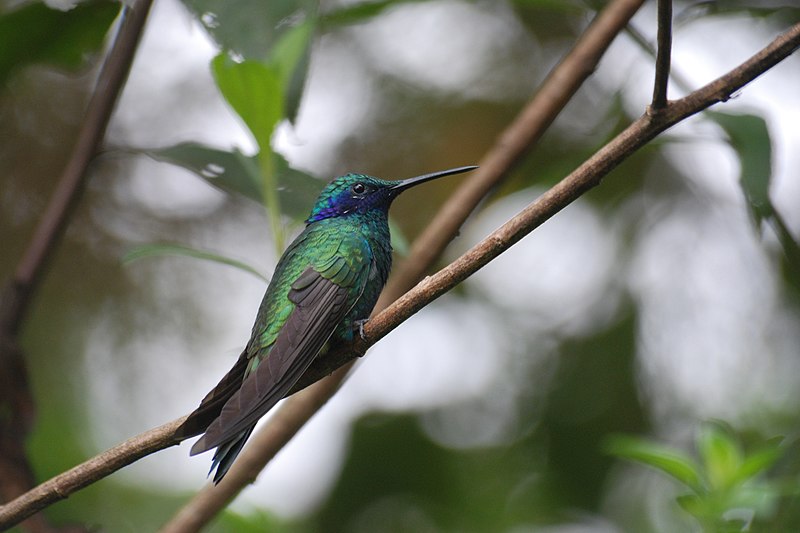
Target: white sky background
720,272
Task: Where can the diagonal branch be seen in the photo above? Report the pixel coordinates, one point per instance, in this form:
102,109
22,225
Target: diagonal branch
582,179
18,294
86,473
516,141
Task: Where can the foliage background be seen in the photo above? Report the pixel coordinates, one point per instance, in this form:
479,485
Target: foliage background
649,306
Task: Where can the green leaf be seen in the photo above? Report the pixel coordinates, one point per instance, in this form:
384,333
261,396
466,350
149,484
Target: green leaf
37,34
749,137
355,13
254,91
151,250
233,172
277,33
292,57
400,243
751,8
251,28
569,7
791,248
237,173
692,504
721,454
668,460
298,191
758,462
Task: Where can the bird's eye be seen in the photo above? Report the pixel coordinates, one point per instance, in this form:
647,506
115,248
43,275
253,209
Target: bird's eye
358,188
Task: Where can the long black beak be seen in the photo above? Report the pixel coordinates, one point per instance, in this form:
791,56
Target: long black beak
410,182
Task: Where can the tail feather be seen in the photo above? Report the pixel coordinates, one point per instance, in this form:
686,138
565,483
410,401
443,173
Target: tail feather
226,454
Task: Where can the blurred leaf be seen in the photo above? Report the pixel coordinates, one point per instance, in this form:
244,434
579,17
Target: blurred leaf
761,499
593,397
151,250
37,34
298,191
235,172
692,504
791,248
254,91
758,462
292,55
277,34
400,242
721,454
396,478
749,136
668,460
753,8
251,28
356,13
255,521
230,171
571,7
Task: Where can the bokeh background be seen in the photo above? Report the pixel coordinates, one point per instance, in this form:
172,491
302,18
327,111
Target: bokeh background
648,307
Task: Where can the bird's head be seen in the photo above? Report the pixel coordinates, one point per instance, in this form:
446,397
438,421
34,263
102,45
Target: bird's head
359,193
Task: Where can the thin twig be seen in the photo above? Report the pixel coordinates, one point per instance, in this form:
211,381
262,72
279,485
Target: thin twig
582,179
663,56
676,76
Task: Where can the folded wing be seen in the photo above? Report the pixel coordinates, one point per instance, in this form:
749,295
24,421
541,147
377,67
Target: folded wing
320,306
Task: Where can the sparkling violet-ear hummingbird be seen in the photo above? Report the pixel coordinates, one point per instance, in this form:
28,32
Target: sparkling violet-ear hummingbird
324,286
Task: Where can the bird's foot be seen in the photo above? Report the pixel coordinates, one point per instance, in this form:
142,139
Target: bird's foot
360,325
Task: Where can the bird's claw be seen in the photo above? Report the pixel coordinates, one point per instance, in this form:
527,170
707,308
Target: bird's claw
360,325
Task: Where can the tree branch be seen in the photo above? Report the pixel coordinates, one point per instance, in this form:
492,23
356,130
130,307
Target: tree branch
19,291
16,475
83,475
517,140
662,56
582,179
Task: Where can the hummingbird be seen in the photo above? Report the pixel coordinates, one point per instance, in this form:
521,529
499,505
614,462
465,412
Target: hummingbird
323,289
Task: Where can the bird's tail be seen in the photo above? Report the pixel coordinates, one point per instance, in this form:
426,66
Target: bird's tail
226,453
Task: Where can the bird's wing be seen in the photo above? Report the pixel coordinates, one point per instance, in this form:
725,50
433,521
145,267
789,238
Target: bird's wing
320,305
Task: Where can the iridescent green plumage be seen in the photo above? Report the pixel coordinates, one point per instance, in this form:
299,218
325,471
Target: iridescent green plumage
328,279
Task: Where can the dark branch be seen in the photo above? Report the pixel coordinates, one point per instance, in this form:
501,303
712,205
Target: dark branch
16,475
662,56
18,294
